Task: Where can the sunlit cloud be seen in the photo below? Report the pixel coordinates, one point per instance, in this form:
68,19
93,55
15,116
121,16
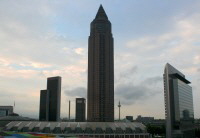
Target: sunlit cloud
79,51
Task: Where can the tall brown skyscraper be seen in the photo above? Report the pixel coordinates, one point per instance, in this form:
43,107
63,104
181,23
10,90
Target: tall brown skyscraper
100,70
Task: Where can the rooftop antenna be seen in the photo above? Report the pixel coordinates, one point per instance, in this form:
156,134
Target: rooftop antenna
14,107
119,105
69,111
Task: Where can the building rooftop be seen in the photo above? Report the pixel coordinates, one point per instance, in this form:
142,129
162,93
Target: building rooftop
76,127
101,14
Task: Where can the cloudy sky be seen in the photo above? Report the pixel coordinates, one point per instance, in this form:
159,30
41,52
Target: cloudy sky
45,38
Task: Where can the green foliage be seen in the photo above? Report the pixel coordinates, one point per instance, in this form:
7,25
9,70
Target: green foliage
1,129
197,133
154,130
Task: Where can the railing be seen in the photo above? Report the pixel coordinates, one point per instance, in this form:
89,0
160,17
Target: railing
132,135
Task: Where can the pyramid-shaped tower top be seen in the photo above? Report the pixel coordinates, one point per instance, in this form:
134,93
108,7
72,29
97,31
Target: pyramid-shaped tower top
101,14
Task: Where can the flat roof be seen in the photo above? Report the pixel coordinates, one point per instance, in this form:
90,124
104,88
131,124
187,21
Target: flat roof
181,78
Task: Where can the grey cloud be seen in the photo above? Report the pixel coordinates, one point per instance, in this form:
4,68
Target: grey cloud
153,80
129,93
76,92
127,73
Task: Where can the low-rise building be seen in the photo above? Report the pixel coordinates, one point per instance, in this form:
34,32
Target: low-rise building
145,120
6,110
91,129
130,118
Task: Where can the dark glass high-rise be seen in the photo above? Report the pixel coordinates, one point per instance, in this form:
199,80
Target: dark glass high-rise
80,110
100,70
44,105
54,88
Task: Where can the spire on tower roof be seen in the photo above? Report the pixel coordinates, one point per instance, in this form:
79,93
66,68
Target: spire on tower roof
101,14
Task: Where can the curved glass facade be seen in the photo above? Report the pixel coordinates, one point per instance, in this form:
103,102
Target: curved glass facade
185,100
179,110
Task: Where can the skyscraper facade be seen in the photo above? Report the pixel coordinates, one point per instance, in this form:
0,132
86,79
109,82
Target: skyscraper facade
179,111
100,70
50,100
54,88
44,105
80,110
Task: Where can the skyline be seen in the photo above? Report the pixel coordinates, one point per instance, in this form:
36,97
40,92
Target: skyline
53,42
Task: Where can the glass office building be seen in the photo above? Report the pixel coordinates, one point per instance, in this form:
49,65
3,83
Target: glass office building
80,110
54,88
50,100
178,104
44,105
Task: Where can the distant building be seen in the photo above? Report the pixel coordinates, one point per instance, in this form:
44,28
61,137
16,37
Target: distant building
80,110
100,70
179,111
130,118
6,110
50,100
54,87
158,123
144,120
44,105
